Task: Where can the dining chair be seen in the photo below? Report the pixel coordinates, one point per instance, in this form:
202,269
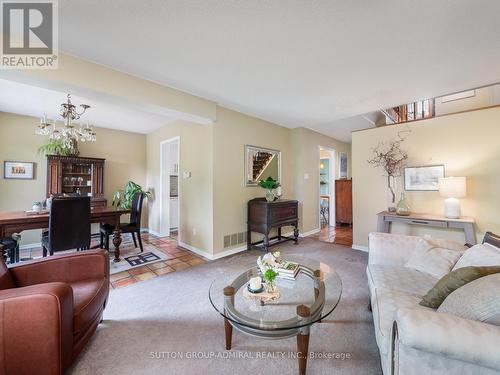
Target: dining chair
11,244
133,227
69,225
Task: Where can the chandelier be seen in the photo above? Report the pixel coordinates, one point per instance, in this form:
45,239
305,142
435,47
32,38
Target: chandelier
69,133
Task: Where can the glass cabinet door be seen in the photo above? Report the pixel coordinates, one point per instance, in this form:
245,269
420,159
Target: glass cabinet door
77,178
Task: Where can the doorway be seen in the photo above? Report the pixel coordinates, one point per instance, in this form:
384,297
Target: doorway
326,187
169,188
328,174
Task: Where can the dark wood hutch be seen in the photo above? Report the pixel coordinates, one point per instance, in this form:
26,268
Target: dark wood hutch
76,175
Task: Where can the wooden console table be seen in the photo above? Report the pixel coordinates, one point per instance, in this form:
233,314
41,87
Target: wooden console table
385,219
263,215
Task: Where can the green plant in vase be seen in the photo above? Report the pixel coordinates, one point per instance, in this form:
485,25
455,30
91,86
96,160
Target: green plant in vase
123,198
270,277
269,184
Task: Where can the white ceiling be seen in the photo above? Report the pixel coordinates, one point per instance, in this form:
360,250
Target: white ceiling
293,62
34,101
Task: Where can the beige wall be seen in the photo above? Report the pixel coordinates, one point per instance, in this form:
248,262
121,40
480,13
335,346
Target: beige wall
305,144
125,155
196,219
232,131
466,143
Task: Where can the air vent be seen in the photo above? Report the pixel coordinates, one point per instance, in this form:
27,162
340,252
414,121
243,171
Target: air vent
227,241
235,239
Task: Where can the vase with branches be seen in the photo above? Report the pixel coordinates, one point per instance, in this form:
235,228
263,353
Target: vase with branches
391,158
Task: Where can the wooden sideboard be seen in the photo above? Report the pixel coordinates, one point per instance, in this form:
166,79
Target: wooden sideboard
76,175
263,216
385,219
343,201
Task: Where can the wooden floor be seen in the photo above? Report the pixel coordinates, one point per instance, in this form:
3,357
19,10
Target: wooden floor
341,235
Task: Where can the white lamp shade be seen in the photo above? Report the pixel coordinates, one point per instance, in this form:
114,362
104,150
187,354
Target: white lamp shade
452,187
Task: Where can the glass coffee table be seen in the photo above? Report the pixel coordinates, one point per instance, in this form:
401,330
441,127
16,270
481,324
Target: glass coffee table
302,302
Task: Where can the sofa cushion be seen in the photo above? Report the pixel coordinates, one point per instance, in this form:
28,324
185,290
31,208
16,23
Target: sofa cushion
479,255
6,280
432,258
400,278
89,297
385,304
452,281
478,300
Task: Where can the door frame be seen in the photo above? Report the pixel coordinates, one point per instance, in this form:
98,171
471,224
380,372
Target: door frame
333,177
166,187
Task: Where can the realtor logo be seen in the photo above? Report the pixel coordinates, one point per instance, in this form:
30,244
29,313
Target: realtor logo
29,35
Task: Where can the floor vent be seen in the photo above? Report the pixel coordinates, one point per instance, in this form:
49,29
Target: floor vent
235,239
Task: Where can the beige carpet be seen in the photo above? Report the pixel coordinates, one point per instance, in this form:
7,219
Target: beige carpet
150,323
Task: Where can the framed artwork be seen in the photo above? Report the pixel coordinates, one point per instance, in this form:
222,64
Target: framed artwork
21,170
424,178
343,165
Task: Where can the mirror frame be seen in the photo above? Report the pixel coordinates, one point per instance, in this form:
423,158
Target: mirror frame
257,148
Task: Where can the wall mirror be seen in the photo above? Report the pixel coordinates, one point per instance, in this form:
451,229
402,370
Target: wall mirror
260,163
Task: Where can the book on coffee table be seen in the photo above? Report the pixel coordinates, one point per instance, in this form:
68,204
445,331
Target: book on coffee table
288,270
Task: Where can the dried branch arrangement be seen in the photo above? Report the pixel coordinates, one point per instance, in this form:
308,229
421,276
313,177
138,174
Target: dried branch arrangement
391,158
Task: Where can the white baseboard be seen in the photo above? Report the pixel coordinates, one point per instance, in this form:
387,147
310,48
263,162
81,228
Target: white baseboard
211,256
305,234
360,248
154,233
311,232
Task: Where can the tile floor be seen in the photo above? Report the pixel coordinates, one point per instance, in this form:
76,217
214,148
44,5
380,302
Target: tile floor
178,259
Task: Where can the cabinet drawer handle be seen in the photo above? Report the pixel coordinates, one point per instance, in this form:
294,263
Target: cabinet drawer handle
420,222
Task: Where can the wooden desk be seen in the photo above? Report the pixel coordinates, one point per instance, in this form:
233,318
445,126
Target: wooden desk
17,221
385,219
263,215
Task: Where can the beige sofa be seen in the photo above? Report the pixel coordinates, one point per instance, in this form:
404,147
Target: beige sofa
418,340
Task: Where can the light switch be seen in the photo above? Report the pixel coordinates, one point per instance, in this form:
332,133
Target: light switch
186,174
306,176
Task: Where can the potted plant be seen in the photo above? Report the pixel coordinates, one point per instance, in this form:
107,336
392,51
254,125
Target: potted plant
123,198
392,159
268,265
269,184
57,147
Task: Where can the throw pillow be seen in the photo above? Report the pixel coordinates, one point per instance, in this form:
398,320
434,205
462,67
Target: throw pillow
433,259
479,255
478,300
452,281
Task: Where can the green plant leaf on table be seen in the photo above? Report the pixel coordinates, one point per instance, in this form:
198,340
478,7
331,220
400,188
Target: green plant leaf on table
269,183
270,274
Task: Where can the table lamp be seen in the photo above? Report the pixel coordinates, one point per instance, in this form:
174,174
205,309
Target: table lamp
452,188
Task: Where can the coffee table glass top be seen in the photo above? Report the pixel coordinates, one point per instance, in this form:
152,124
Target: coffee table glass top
320,295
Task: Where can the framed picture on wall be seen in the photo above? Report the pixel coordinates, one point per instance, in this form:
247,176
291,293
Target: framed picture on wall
21,170
423,178
343,165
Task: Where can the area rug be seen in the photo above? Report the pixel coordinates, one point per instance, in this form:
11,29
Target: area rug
132,257
167,325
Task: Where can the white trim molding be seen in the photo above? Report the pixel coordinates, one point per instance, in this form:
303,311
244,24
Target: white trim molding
360,248
310,233
211,256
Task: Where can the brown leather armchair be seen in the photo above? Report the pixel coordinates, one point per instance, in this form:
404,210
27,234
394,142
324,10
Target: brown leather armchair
49,309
